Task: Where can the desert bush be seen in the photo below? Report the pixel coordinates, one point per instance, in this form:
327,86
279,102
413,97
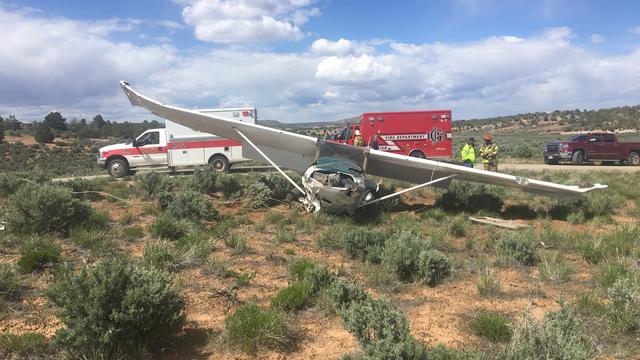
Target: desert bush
608,272
382,278
125,310
458,226
553,267
133,232
228,185
43,134
624,304
487,283
341,295
332,238
96,241
203,180
250,328
44,209
159,255
9,184
293,297
465,196
433,266
38,253
493,327
516,247
440,352
408,349
258,195
166,228
401,254
192,205
624,240
278,185
371,321
557,338
24,346
154,183
364,244
216,267
284,235
8,282
98,220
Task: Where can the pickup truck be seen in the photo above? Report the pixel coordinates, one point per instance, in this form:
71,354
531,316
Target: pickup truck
603,147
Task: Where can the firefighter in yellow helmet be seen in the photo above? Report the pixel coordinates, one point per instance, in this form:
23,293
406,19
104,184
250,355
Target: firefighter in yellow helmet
489,154
468,153
358,141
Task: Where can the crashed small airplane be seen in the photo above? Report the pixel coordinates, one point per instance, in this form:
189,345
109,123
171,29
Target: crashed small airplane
334,175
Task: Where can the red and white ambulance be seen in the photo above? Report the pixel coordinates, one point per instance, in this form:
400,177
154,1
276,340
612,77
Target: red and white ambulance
177,146
423,134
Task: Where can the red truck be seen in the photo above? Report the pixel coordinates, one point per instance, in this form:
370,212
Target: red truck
594,146
423,134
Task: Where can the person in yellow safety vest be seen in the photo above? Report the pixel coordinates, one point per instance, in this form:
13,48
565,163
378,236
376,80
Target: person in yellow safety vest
357,141
489,154
468,153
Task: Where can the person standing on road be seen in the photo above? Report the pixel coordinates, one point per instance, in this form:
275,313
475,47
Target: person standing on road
489,154
468,153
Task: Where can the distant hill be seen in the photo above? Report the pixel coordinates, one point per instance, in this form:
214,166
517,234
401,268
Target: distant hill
612,119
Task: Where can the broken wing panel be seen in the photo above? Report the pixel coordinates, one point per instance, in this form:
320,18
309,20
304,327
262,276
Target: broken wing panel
289,150
415,170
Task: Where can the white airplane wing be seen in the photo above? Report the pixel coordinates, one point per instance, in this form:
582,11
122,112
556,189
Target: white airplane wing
297,152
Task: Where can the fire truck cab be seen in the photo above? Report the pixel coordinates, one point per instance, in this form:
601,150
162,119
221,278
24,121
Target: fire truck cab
177,146
423,134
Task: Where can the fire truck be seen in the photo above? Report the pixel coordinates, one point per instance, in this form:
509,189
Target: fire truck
177,146
423,134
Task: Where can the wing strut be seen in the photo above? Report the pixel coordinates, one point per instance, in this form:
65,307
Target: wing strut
270,161
407,190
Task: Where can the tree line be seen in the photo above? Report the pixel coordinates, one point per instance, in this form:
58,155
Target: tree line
55,125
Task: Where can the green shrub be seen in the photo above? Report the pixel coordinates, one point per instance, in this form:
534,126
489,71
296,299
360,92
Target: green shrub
24,346
203,180
371,321
258,195
43,134
278,185
553,267
469,197
245,278
193,248
408,349
159,255
557,338
433,266
284,235
154,183
250,328
331,239
37,254
44,209
216,267
458,226
167,228
228,185
493,327
402,254
293,297
299,268
365,245
125,310
96,241
98,220
624,304
382,278
341,295
133,232
9,184
192,205
440,352
8,282
516,247
624,240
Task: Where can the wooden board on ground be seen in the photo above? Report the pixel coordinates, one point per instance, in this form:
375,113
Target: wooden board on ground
507,224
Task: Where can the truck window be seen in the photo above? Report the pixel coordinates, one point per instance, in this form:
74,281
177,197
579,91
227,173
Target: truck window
150,138
345,134
581,137
608,138
594,138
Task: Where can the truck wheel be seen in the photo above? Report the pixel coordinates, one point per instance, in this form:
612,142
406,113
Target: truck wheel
634,158
417,153
578,158
118,168
219,163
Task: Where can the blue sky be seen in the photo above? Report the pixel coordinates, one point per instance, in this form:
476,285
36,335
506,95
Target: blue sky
308,60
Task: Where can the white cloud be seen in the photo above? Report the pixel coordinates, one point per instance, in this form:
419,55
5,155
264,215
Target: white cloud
227,21
636,30
596,38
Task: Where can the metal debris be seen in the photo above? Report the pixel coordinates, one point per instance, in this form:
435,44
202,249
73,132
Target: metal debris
507,224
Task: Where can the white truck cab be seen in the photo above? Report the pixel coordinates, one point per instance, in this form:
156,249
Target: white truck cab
177,146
